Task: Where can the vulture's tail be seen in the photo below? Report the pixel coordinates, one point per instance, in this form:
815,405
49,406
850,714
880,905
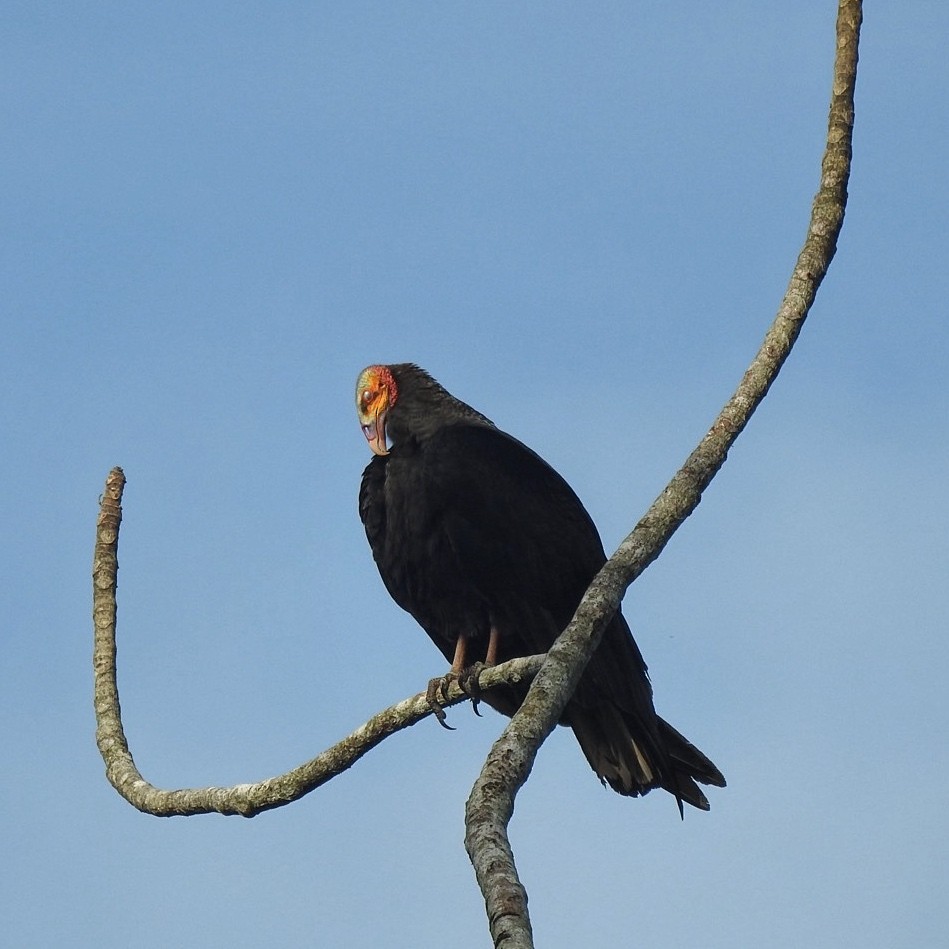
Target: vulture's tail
633,765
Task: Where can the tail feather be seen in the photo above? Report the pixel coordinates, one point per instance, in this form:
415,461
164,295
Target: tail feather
634,765
612,752
687,757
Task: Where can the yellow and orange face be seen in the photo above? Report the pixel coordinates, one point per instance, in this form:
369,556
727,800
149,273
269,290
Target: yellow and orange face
375,395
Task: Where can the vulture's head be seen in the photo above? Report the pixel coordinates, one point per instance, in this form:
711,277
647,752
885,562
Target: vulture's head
376,393
402,401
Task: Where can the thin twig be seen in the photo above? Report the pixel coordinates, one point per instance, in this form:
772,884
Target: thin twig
491,804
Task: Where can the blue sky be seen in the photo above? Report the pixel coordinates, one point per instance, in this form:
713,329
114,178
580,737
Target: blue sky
581,221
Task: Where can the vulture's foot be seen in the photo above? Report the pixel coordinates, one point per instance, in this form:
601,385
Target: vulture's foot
436,693
470,683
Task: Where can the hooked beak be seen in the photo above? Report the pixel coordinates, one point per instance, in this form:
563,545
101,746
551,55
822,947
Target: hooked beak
375,432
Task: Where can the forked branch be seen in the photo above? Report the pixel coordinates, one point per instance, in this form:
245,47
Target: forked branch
491,803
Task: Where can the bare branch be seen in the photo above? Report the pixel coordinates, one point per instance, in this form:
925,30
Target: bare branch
510,760
491,803
244,799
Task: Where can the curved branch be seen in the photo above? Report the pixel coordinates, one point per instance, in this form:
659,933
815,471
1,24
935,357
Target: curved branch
491,804
250,799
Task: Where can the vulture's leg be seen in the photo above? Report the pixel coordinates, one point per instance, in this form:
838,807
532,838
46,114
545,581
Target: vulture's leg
468,680
438,687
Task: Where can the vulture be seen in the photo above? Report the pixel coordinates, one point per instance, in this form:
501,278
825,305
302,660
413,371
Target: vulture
490,550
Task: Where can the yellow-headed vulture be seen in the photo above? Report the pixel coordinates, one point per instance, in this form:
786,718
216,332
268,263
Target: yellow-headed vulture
491,551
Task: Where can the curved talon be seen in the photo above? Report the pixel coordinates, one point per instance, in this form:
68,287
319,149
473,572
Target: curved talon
469,683
439,687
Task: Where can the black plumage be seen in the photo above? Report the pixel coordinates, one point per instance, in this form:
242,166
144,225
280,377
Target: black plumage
491,551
